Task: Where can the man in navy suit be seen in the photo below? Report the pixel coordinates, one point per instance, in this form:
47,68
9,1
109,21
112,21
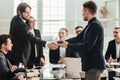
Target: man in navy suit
21,36
89,43
113,50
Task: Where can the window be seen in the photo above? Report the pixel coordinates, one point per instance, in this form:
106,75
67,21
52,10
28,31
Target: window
53,16
32,3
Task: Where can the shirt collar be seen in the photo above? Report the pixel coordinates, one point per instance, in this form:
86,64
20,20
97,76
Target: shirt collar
2,52
23,20
92,20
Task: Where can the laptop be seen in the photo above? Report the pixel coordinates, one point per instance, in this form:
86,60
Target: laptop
73,67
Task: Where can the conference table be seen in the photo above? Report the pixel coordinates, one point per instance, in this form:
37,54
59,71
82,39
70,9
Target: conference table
114,66
58,71
53,72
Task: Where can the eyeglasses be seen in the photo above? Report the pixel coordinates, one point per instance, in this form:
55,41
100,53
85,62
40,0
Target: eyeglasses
31,21
115,32
78,31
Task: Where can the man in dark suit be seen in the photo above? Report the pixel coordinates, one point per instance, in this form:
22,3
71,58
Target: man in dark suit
21,36
89,43
113,50
36,57
6,68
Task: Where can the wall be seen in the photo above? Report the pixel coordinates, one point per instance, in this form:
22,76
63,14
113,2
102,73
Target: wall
6,13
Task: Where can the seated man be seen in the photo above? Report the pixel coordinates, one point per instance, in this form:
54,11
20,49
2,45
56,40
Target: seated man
7,70
57,56
113,50
78,29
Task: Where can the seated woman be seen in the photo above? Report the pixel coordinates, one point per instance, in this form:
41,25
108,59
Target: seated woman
57,56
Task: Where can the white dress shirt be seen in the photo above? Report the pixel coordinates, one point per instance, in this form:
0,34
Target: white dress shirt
117,50
117,55
62,52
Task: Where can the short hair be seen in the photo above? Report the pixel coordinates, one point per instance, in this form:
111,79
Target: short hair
22,6
28,21
78,27
91,6
64,29
3,39
117,28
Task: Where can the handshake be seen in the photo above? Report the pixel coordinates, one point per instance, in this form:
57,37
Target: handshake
55,45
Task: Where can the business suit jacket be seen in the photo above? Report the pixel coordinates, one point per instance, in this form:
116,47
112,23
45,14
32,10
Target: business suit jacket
21,37
54,55
89,43
111,50
5,66
33,59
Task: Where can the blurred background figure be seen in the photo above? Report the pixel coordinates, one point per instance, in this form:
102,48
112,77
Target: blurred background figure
113,50
7,70
78,29
58,55
36,57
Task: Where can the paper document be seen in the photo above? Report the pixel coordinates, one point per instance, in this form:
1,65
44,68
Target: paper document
116,69
113,63
58,65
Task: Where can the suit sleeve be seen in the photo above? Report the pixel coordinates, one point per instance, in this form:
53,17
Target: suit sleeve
33,38
4,70
78,38
89,41
108,52
54,56
40,47
21,29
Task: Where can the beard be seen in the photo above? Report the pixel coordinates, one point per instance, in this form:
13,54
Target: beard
85,19
25,18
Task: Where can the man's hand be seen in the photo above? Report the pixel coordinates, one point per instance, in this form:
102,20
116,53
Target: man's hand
110,60
42,61
62,61
20,77
64,44
13,68
52,45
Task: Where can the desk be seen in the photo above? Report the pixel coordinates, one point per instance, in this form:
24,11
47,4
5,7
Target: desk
113,64
46,73
114,69
118,71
